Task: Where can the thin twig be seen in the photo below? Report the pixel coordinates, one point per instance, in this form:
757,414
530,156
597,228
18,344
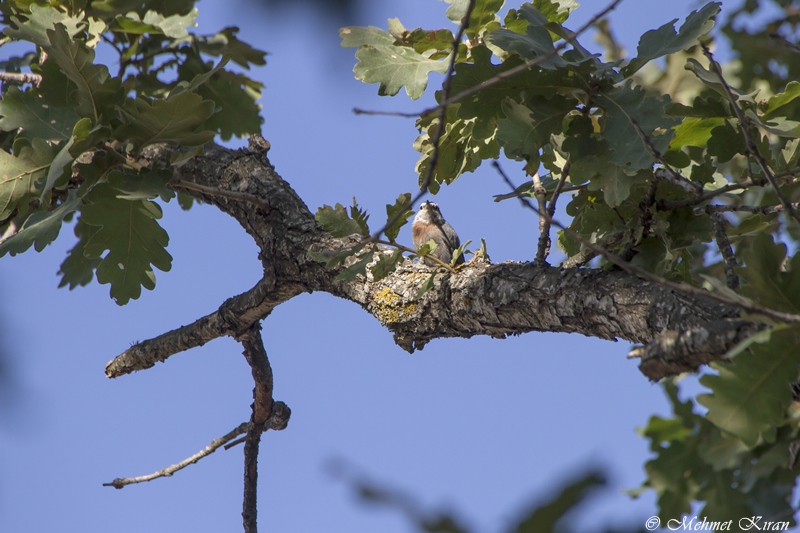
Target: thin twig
724,245
750,145
785,42
359,111
21,78
168,471
634,270
544,236
524,201
213,191
666,205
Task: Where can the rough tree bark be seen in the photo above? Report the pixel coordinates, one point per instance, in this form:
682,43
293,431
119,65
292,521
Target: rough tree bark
676,332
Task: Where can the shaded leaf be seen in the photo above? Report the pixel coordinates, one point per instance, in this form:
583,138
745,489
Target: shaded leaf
401,210
37,116
336,221
20,176
750,395
40,229
178,119
97,91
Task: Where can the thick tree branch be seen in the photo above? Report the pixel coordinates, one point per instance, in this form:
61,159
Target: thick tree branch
480,299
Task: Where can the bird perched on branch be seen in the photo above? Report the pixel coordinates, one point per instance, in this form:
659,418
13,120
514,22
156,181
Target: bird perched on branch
429,224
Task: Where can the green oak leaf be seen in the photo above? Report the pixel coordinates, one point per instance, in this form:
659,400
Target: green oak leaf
656,43
381,61
179,118
422,41
607,176
361,217
359,267
485,106
555,10
527,128
225,43
483,15
426,286
767,280
694,131
106,8
535,42
386,264
624,105
40,228
777,101
37,116
145,184
750,395
97,92
725,142
547,516
59,171
77,269
129,231
39,21
336,221
153,22
401,210
20,176
234,96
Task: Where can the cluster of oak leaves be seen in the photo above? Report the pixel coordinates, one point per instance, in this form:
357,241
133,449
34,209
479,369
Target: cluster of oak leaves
72,137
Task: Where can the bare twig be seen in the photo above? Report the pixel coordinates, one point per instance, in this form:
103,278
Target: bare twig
21,77
359,111
750,145
724,245
785,42
168,471
524,201
665,205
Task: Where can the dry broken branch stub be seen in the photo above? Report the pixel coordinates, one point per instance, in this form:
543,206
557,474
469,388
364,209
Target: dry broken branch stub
480,299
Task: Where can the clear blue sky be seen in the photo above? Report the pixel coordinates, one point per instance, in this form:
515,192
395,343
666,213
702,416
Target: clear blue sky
482,426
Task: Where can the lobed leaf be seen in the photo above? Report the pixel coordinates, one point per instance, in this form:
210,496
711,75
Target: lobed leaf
656,43
336,221
20,176
129,232
401,210
40,228
750,395
381,61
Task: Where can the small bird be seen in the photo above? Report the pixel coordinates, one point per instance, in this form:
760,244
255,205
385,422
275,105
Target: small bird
429,224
